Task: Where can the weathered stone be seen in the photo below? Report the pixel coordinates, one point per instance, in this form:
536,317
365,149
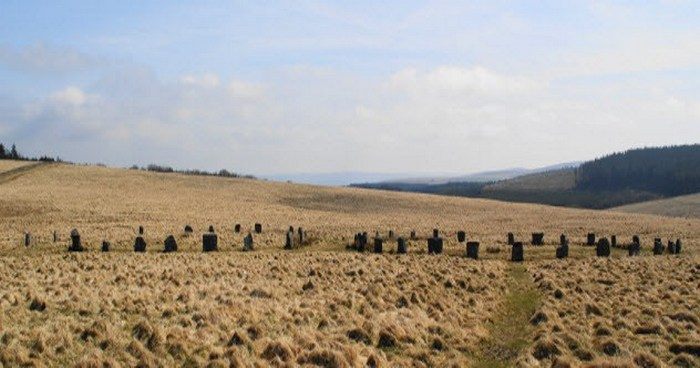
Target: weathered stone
635,239
671,247
613,241
300,233
413,235
461,236
562,250
590,239
436,233
377,245
210,242
75,246
188,229
679,246
237,228
139,244
473,250
634,249
401,246
27,239
258,228
248,243
517,252
289,240
391,234
55,236
537,238
563,240
511,239
170,244
435,245
603,248
140,230
211,228
658,247
105,246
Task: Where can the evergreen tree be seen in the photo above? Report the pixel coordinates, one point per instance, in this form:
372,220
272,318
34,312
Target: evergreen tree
3,154
13,153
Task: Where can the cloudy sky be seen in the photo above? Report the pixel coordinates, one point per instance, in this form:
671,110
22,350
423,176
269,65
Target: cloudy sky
264,87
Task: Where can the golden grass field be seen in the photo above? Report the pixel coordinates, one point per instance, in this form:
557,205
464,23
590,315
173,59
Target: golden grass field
322,305
682,206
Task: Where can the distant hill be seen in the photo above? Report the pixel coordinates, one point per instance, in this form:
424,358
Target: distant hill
682,206
618,179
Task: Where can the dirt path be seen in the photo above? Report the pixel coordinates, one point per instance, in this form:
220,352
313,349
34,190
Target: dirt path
13,174
510,329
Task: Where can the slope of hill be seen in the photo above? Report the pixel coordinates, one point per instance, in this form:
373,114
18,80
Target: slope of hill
563,179
681,206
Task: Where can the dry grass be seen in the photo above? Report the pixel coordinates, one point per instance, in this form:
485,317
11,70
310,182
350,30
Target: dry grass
682,206
7,165
317,305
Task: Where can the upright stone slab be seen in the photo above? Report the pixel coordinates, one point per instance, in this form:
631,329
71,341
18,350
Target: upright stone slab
671,247
75,245
211,228
603,248
562,250
291,229
461,236
140,230
300,233
289,240
210,242
170,244
590,239
436,233
511,239
237,228
563,240
635,239
413,235
248,243
473,250
634,249
258,228
401,246
438,245
658,247
613,241
431,245
537,238
517,252
679,246
361,242
391,234
105,246
55,236
378,245
27,239
188,229
139,244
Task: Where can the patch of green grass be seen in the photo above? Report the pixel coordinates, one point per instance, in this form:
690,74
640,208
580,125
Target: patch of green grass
510,329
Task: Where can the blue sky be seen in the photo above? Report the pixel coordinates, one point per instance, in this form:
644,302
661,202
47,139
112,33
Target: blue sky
309,86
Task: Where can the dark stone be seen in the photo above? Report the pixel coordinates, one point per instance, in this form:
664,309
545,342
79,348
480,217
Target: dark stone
377,245
436,233
461,236
635,239
55,236
431,245
105,246
401,246
511,239
140,230
361,241
603,248
139,244
671,247
27,239
248,243
75,242
258,228
188,229
473,250
210,242
435,245
237,228
634,249
289,240
679,246
613,241
590,239
300,232
537,238
562,250
391,234
291,229
563,240
517,252
413,235
658,247
211,228
170,244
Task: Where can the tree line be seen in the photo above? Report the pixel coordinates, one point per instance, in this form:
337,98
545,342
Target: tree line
13,154
668,171
167,169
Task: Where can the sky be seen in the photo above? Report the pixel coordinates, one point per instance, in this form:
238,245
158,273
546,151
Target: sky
287,87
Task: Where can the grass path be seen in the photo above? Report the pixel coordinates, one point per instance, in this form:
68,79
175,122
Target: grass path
510,329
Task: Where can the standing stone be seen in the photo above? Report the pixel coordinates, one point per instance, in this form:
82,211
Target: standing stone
671,247
401,246
563,240
613,241
237,228
431,245
188,229
27,239
378,245
679,246
658,247
248,243
140,230
562,250
436,233
258,228
289,240
413,235
511,239
170,244
391,234
590,240
634,249
603,248
55,236
537,238
517,252
210,242
75,245
438,246
635,239
105,246
300,232
291,229
473,250
139,244
461,236
211,228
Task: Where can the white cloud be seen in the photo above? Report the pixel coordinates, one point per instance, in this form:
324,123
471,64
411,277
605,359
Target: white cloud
70,95
45,58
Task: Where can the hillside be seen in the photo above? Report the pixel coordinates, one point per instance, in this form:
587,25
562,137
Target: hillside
556,180
322,305
681,206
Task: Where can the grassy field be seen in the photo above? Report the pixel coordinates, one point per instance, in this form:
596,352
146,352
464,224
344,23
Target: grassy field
682,206
323,305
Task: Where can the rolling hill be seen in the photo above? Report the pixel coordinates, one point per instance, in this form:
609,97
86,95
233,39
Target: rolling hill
681,206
